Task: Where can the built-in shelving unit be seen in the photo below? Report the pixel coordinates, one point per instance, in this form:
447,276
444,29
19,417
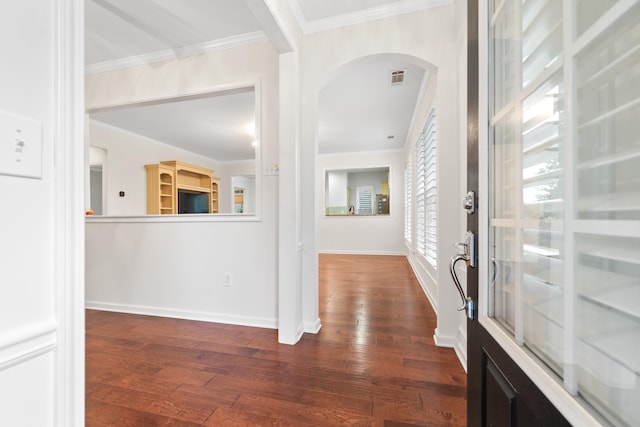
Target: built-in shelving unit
215,195
172,183
160,190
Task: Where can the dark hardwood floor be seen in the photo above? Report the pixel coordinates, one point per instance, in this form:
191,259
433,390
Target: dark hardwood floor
373,363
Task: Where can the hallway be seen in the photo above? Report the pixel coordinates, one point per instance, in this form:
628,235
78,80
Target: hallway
372,364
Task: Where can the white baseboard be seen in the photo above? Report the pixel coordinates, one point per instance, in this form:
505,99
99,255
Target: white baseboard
26,343
313,327
257,322
346,252
423,285
444,340
461,353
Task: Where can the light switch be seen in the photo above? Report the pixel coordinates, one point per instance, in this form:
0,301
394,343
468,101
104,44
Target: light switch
20,146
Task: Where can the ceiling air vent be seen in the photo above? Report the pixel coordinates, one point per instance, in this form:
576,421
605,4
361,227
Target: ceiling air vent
397,77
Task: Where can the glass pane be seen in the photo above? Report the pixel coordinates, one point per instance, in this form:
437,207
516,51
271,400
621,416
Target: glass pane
505,155
542,292
502,301
588,12
541,37
608,108
505,39
608,321
541,151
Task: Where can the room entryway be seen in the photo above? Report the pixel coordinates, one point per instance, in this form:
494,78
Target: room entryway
373,363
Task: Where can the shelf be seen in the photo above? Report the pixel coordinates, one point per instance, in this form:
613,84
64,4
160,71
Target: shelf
611,113
622,346
598,363
593,78
629,254
609,202
622,156
624,299
193,188
592,281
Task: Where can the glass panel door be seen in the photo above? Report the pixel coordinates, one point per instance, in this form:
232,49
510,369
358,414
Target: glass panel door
564,168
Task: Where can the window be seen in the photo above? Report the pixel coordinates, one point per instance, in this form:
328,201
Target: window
565,219
426,192
357,191
364,203
407,203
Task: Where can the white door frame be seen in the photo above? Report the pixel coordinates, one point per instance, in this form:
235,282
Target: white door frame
68,222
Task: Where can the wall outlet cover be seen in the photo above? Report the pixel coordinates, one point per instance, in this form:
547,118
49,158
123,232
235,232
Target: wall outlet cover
20,146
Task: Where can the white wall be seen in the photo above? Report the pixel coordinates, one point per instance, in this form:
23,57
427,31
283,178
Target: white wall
426,38
378,234
126,155
28,318
176,267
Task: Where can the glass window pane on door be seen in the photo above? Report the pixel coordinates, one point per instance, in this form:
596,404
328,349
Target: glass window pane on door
608,178
564,174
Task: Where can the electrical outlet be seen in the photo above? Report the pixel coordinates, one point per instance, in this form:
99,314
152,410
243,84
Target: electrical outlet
227,280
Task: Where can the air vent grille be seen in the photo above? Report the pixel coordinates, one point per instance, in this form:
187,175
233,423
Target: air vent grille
397,77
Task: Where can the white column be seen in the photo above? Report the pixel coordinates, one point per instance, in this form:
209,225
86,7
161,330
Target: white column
289,222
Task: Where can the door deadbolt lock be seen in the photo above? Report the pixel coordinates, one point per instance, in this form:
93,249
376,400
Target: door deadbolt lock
469,202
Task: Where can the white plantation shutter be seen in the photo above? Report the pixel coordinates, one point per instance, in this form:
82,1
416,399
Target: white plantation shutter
431,191
426,192
365,200
407,203
421,246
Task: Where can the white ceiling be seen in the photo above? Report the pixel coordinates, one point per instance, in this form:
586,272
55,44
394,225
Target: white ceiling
361,110
218,125
357,111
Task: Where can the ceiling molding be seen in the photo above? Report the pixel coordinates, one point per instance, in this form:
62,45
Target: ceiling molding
181,52
357,17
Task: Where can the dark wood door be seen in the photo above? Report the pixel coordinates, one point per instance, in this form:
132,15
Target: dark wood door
499,392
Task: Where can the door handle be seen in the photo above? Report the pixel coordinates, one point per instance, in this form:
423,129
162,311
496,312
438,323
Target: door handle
468,255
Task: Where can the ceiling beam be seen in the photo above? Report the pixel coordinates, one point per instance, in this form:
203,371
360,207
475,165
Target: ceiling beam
271,17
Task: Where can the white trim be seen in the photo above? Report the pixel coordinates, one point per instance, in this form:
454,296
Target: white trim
433,301
68,209
27,343
461,339
347,252
544,379
182,52
313,327
256,322
363,15
173,218
448,341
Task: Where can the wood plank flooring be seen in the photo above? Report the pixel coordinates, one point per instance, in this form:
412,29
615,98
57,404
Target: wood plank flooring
373,363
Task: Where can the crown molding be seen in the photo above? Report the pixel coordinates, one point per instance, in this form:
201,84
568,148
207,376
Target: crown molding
360,16
179,52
